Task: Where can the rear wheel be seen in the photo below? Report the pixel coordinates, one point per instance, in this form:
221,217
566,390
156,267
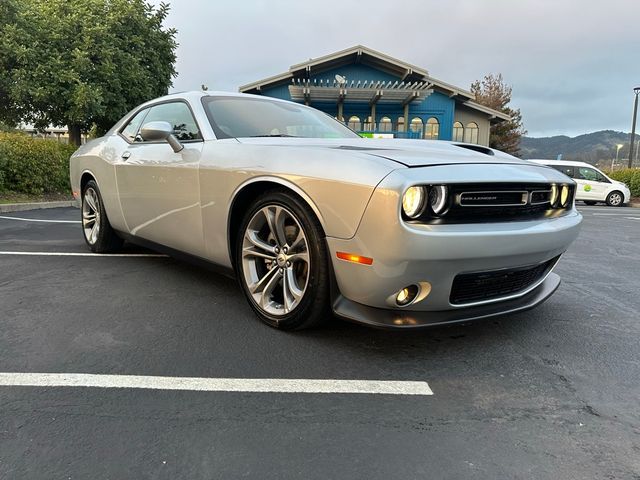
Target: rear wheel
95,225
282,264
615,199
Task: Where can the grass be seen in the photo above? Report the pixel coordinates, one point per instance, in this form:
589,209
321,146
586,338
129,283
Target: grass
12,197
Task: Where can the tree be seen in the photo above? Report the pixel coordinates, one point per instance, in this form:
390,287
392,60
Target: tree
494,93
85,63
9,115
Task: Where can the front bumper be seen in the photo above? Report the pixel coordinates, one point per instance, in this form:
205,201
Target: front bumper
400,319
418,254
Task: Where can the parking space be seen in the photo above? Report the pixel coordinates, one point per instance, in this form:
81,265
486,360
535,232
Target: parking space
550,393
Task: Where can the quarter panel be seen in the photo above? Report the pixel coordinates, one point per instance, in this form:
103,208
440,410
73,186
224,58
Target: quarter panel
98,158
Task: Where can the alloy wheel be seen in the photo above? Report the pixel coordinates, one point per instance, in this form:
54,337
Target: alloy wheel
615,199
91,215
275,260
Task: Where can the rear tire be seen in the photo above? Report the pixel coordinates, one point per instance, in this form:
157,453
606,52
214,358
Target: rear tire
98,234
281,262
589,202
615,199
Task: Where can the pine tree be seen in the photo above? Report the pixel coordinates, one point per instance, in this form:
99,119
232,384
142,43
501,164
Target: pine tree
494,93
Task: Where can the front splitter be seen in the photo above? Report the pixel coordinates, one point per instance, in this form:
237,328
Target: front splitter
406,319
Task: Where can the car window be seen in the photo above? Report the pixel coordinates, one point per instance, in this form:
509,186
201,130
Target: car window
130,131
566,169
586,173
179,116
602,178
241,117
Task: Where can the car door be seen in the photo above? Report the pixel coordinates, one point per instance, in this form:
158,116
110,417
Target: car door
590,186
158,188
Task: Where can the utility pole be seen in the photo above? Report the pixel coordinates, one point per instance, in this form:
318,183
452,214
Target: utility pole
633,126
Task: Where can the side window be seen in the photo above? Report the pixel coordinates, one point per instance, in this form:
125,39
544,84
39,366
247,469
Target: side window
602,178
587,174
179,116
130,131
566,169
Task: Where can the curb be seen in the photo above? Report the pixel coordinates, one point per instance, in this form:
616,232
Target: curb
20,207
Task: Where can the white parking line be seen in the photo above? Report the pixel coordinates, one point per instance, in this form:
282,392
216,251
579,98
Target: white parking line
259,385
610,214
84,254
38,220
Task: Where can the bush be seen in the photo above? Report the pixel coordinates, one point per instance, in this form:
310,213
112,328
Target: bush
630,176
33,166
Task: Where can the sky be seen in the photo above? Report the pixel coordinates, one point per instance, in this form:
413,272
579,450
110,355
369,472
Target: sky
572,64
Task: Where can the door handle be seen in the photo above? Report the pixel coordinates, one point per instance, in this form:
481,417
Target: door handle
126,155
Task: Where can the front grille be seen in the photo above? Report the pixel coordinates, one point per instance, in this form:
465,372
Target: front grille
489,285
493,198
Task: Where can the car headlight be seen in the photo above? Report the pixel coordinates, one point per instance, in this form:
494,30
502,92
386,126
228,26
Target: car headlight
554,196
413,201
438,199
564,196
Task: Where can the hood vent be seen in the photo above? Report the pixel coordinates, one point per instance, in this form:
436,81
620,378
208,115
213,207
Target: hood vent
476,148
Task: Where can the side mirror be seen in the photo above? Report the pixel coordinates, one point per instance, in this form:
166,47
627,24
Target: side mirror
157,131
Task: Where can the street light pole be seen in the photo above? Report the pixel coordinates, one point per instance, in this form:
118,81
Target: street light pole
613,162
618,147
633,126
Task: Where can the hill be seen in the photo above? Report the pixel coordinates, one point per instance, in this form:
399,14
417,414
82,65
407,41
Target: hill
590,147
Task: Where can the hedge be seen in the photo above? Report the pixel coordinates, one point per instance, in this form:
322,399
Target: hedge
630,176
33,166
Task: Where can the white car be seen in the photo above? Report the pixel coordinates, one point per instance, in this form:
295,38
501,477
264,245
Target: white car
593,185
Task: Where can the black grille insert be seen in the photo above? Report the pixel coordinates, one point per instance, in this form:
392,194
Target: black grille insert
489,285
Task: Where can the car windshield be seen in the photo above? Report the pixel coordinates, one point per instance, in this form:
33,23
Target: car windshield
241,117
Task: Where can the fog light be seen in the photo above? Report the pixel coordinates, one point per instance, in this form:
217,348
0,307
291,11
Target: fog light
407,295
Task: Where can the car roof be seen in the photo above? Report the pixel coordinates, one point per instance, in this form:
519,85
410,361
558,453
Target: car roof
197,94
571,163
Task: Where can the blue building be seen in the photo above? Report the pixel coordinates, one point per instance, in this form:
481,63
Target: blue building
379,95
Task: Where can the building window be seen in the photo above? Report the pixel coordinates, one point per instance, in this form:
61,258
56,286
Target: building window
471,133
385,125
433,129
369,126
354,123
416,126
400,124
458,132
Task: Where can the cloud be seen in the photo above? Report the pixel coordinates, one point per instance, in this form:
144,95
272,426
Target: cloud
572,63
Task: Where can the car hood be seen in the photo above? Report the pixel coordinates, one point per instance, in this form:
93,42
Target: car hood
411,153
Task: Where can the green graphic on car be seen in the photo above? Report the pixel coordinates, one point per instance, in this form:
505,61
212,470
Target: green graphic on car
587,188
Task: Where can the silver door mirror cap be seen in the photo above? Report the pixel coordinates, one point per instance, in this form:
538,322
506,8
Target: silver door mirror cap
158,131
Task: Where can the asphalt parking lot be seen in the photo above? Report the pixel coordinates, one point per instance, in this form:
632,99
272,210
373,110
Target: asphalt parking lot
552,393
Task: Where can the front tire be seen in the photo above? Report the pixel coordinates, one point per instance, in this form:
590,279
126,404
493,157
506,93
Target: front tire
615,199
282,263
97,230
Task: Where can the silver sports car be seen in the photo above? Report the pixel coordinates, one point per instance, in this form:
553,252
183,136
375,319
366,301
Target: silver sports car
309,216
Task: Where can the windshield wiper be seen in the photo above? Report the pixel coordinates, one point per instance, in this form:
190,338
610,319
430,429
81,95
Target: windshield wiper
273,135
